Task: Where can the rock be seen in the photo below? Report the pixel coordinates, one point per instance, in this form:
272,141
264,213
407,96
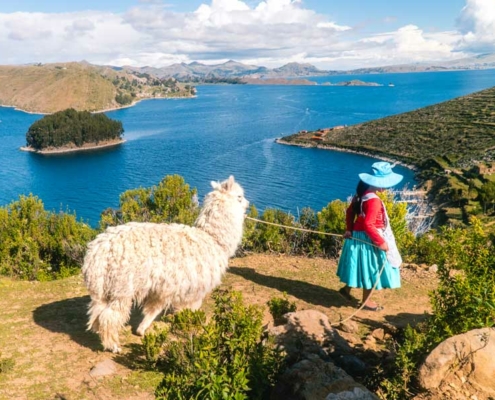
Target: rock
356,394
306,331
433,268
378,334
351,364
103,368
311,322
470,355
312,379
349,326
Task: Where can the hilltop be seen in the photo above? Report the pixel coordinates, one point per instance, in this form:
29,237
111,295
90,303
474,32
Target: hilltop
48,88
451,143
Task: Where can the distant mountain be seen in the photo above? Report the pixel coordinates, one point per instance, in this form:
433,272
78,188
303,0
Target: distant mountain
232,69
229,69
183,71
483,61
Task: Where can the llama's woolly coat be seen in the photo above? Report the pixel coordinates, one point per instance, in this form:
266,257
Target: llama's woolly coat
161,266
124,262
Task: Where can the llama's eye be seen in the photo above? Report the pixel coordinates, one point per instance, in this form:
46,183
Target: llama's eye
239,198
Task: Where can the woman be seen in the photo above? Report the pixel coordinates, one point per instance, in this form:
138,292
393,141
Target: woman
366,218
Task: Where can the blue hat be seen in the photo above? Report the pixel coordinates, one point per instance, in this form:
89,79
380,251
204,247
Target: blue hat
381,176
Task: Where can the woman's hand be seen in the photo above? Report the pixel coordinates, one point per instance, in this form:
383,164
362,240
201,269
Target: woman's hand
383,246
347,234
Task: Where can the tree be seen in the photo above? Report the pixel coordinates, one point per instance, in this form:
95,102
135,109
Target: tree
72,127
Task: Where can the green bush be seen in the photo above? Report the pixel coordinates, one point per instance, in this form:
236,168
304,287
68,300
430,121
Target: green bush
464,299
171,201
37,244
279,306
225,358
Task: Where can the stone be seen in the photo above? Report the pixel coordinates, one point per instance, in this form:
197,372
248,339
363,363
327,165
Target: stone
103,368
433,268
378,334
472,353
313,378
349,326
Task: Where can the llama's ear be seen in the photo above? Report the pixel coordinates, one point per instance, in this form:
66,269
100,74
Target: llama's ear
227,185
215,185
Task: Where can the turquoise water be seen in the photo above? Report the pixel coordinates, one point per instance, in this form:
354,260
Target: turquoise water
224,130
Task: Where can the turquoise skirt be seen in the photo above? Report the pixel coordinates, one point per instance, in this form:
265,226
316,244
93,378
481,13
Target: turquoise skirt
360,264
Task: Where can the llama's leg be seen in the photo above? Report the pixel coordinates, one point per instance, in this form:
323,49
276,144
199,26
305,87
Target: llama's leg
196,305
151,308
107,319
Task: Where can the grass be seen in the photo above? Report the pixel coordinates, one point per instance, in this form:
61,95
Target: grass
43,325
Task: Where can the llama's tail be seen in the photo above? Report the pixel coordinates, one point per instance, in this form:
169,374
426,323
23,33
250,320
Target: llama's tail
106,318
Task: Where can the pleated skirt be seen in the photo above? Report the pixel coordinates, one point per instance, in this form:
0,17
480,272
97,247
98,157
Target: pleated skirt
360,264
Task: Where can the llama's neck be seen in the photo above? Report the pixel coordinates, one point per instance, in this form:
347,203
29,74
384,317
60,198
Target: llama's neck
225,228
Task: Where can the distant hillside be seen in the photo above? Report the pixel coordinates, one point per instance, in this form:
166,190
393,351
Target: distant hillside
48,88
229,69
197,72
452,144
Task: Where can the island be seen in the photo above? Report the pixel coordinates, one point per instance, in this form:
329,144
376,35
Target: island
72,130
354,82
451,145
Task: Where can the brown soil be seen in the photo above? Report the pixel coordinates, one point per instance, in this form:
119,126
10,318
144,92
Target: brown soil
42,324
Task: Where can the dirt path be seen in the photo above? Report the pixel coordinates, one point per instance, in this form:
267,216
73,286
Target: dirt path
42,325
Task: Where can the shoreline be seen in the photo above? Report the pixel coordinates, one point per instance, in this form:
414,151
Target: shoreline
100,111
343,150
62,150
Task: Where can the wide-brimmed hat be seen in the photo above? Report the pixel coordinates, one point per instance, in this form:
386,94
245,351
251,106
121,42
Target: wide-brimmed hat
381,176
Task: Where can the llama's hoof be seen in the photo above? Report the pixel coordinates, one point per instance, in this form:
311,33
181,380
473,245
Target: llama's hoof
116,349
140,331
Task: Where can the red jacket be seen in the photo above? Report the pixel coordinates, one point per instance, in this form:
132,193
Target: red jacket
370,222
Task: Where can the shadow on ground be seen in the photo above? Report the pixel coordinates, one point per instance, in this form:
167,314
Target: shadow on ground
69,316
312,294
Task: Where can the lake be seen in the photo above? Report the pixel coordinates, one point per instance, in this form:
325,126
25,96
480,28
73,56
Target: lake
226,129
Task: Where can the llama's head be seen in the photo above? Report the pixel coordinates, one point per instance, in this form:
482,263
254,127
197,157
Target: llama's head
232,192
223,212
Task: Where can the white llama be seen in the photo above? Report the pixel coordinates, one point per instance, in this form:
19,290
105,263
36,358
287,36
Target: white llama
161,266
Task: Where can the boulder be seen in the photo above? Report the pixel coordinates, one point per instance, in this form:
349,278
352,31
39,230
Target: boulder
465,359
313,378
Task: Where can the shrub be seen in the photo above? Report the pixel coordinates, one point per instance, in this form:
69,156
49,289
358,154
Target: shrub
279,306
464,300
171,201
37,244
224,358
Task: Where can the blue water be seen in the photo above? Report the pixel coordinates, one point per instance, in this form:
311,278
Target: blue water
225,130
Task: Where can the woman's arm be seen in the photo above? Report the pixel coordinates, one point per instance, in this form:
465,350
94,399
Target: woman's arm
372,220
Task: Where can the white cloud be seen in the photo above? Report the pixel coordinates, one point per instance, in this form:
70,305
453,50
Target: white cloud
269,32
477,25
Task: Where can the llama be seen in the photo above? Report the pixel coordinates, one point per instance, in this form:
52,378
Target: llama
161,266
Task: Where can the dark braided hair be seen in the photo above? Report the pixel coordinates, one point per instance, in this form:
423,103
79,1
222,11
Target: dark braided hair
358,197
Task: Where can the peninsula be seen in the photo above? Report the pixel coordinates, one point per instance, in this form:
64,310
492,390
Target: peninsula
48,88
72,130
452,145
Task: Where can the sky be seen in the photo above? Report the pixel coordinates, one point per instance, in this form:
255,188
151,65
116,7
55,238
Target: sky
330,34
